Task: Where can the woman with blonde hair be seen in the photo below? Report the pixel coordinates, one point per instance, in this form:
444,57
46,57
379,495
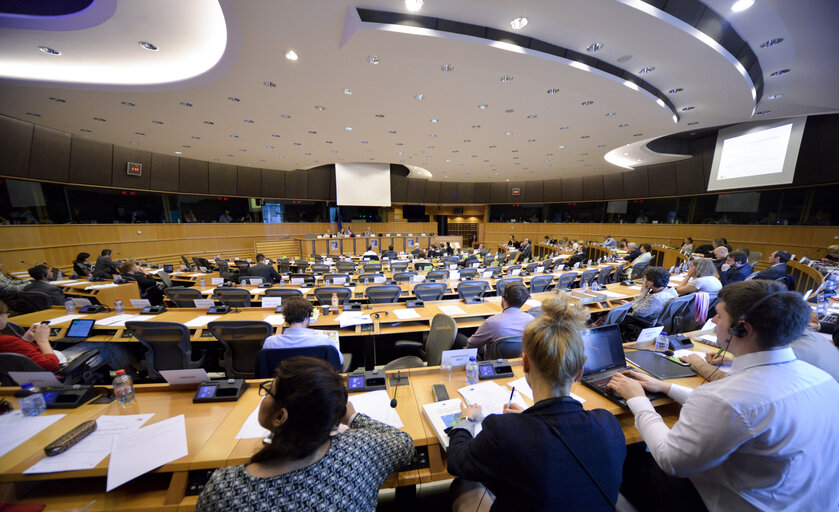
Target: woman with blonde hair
701,277
552,455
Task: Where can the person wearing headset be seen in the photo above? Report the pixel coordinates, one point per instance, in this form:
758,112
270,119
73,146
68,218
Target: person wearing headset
552,456
763,438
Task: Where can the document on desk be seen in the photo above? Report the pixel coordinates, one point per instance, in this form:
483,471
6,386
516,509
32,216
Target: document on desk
116,319
136,453
251,429
452,310
612,295
100,286
201,321
91,450
275,319
376,404
64,318
533,303
523,387
443,415
350,318
130,318
18,428
406,314
490,396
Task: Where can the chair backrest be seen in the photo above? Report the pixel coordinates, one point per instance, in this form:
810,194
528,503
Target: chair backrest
382,294
501,283
308,279
510,269
268,359
38,300
678,307
438,274
616,315
588,276
164,277
566,280
603,276
301,265
186,261
496,271
13,329
638,271
283,292
466,289
508,347
540,283
330,278
398,266
441,337
324,294
182,297
242,340
246,280
242,266
283,266
167,345
531,267
430,291
370,277
233,297
788,280
422,267
11,362
319,268
372,267
754,257
345,266
618,272
403,276
468,273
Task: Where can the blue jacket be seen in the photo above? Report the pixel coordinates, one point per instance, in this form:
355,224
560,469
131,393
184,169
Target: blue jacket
733,275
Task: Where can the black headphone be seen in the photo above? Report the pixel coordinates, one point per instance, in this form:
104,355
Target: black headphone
739,328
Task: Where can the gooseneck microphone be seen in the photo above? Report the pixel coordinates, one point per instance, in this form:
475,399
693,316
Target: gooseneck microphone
393,401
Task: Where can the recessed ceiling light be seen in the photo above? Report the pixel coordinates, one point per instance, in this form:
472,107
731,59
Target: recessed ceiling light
307,154
433,120
248,121
771,42
373,59
147,45
647,69
775,96
58,100
185,146
178,152
312,132
676,90
133,143
234,136
269,83
243,150
741,5
157,122
780,72
507,78
532,116
553,91
126,103
601,145
347,91
413,5
392,132
593,47
508,133
285,116
291,55
587,103
623,125
99,119
85,130
209,123
693,123
563,127
584,136
508,179
685,109
518,23
186,104
49,51
531,140
419,97
33,114
432,135
762,112
348,128
298,144
476,126
400,144
637,134
234,99
447,67
320,108
610,114
269,146
276,136
139,133
560,147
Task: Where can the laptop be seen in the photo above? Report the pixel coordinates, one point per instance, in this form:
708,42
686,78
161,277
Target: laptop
604,358
79,330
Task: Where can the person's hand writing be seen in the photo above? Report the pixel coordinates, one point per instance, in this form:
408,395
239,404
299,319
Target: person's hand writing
473,412
693,359
714,358
512,408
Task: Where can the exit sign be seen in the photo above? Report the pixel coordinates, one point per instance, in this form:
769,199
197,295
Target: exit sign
135,169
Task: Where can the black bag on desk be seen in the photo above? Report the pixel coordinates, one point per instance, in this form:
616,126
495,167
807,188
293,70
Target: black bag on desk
631,327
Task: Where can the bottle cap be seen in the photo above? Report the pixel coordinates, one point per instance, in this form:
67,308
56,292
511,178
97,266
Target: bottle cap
26,385
120,372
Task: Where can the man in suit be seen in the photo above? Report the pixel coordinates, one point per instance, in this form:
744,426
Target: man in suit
526,250
778,266
634,252
389,253
610,243
736,268
41,275
263,270
105,267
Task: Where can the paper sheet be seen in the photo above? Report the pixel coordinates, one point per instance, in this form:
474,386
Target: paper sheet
90,451
350,318
490,396
533,303
406,314
129,318
251,429
612,295
18,428
271,302
140,303
116,319
376,404
136,453
66,281
65,318
100,286
275,319
201,321
452,310
38,379
523,387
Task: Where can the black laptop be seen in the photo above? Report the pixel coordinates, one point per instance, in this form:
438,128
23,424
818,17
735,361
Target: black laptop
79,330
604,358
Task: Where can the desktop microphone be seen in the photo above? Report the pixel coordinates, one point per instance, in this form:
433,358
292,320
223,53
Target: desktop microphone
393,401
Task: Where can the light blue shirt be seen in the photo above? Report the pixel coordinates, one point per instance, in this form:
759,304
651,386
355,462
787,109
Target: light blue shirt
296,337
510,322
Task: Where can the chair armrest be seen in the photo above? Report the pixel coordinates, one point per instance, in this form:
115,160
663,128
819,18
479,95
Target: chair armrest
407,344
78,363
345,367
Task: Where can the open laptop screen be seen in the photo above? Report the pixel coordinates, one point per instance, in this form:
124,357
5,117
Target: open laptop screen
603,349
80,328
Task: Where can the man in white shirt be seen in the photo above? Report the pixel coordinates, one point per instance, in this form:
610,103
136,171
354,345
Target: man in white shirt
296,311
763,438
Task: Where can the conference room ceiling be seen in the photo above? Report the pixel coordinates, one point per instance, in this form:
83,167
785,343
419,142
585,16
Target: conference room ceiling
219,87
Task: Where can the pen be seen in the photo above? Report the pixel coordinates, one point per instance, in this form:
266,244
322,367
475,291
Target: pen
511,397
88,506
719,352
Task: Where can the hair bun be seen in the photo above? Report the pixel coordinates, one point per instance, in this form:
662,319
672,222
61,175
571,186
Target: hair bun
560,309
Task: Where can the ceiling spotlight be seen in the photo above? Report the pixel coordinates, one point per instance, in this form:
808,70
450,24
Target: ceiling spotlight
269,84
675,91
99,119
392,132
186,104
85,130
741,5
560,147
645,70
147,45
139,133
209,123
312,132
49,51
762,112
772,42
584,136
780,72
685,109
58,100
234,99
347,91
531,140
637,134
563,127
379,116
157,122
610,114
234,136
483,106
291,55
508,133
248,121
419,97
587,103
775,96
553,91
179,152
348,128
34,114
285,116
320,108
532,116
693,123
373,59
126,103
447,67
507,78
623,125
413,5
593,47
434,120
509,111
518,23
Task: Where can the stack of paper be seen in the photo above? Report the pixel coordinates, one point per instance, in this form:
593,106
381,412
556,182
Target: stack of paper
490,396
350,318
452,310
65,318
17,428
406,314
376,404
443,415
136,453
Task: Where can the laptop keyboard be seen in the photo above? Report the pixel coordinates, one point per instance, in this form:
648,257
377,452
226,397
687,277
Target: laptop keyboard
601,385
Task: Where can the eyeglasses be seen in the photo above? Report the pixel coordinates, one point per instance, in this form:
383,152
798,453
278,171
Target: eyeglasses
265,387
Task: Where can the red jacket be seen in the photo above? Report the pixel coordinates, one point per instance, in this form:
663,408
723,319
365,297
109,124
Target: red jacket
17,345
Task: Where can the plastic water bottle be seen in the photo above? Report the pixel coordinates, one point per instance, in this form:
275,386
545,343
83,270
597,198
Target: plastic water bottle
661,343
584,286
472,371
821,309
30,400
366,281
118,307
334,307
203,282
70,306
123,387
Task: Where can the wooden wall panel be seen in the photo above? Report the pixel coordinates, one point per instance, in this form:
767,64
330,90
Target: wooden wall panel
662,180
552,192
120,177
635,183
90,162
165,172
320,179
193,176
398,188
572,189
498,192
249,181
533,191
689,177
296,184
432,192
613,186
593,188
50,160
416,191
15,146
466,192
273,184
222,179
448,192
482,192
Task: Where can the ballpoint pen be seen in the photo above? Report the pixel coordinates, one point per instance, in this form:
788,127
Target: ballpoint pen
511,397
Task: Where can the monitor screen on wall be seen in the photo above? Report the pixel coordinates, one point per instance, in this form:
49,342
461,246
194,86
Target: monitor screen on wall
756,154
362,184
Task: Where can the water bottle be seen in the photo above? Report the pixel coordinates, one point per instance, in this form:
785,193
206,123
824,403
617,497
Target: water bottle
118,307
822,305
70,306
584,286
123,387
30,400
661,343
334,303
472,371
203,282
282,283
366,281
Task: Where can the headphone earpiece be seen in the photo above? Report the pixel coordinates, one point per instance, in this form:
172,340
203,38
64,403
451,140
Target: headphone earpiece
739,328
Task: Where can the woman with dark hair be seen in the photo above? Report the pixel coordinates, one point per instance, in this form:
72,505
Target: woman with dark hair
80,266
310,464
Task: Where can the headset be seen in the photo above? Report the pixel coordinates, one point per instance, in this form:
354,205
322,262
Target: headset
739,328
